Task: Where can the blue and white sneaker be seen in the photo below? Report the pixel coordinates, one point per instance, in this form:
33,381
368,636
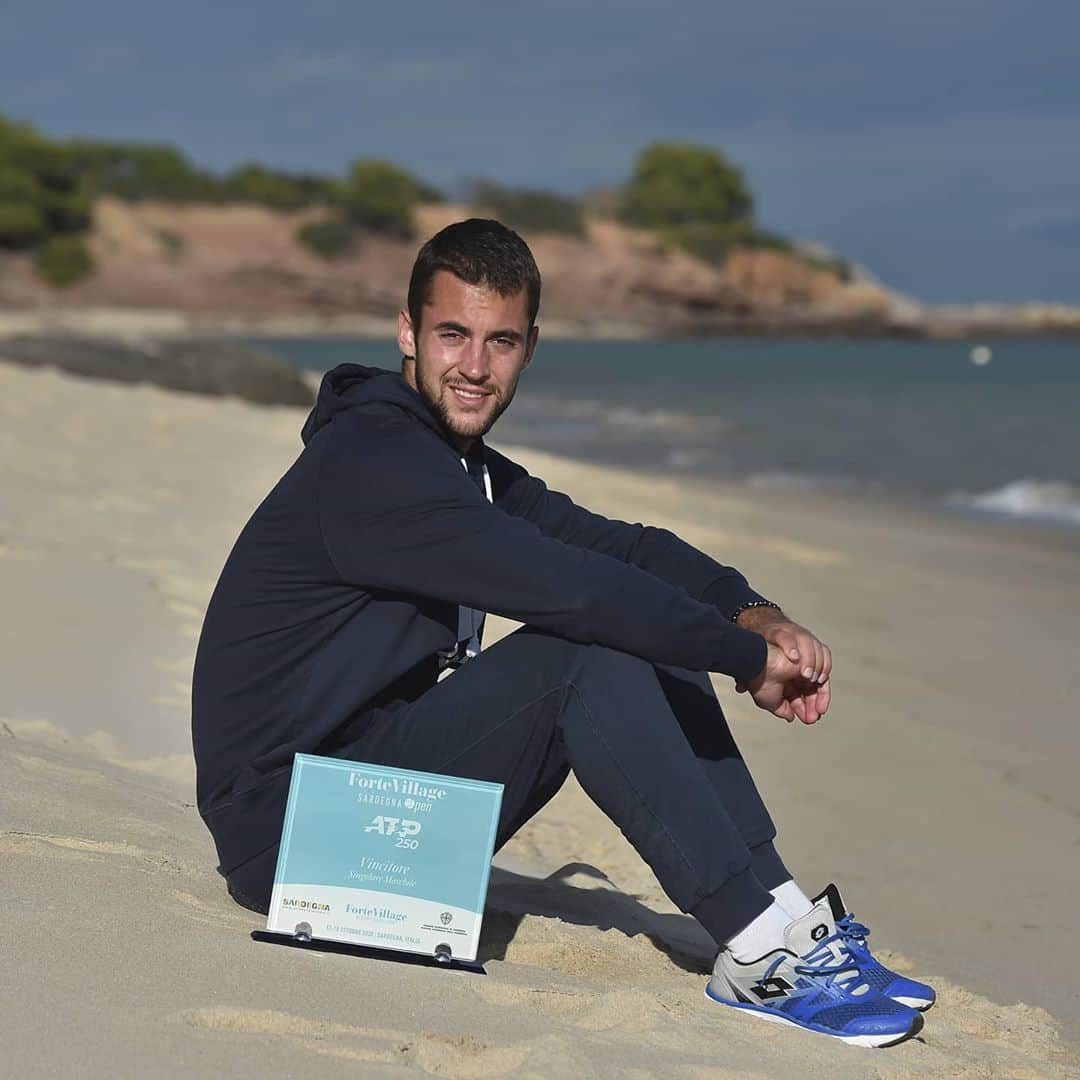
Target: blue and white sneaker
813,982
915,995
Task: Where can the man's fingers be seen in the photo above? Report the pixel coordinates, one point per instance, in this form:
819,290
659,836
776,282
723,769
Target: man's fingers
815,658
826,669
787,643
783,710
808,655
824,698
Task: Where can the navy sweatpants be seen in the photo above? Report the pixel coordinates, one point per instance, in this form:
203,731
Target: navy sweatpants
648,743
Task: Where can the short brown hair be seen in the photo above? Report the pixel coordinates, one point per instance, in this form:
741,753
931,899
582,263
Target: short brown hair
480,251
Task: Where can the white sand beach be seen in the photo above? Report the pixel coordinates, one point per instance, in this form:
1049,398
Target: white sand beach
939,791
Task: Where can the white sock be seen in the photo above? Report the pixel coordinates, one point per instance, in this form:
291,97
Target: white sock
792,899
763,935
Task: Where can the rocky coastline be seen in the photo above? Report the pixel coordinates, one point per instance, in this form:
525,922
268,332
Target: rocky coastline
198,272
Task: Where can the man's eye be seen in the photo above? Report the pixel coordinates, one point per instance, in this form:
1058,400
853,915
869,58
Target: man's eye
504,341
449,335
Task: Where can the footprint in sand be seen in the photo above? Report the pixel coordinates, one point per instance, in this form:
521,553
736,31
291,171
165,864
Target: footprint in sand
209,914
439,1055
115,501
26,843
623,1009
48,845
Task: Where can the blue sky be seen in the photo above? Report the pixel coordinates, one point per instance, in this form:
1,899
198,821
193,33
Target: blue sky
937,143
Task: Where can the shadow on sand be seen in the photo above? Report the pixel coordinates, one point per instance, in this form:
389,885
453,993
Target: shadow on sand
512,896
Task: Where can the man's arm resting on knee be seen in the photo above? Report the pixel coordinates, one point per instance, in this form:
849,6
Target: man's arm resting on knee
668,557
656,550
398,513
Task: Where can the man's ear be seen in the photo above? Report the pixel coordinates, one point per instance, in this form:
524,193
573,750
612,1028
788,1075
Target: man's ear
530,343
406,339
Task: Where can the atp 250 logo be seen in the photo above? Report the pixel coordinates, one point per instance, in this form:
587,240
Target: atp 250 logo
402,828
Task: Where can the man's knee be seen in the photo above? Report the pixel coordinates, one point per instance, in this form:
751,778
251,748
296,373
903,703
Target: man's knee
573,659
599,661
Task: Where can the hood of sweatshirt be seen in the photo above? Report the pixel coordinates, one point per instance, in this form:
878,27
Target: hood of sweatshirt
354,386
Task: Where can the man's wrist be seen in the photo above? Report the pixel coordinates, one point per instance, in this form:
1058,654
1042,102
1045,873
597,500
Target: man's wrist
754,612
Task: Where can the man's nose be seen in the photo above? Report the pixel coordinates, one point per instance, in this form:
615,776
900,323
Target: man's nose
474,364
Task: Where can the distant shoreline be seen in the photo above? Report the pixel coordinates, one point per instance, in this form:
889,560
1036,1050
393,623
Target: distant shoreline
976,324
1033,498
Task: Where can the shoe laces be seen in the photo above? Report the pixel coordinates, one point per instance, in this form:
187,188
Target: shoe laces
822,963
853,934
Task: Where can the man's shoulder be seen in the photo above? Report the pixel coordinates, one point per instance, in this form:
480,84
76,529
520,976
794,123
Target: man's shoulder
377,436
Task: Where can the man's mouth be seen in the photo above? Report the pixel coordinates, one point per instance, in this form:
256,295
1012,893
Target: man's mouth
466,395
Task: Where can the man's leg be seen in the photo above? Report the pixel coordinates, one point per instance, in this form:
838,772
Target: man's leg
532,707
692,699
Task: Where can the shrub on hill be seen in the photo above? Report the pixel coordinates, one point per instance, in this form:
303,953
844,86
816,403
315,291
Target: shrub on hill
379,196
281,190
44,203
696,199
681,186
136,171
63,260
41,189
713,242
328,237
22,225
529,209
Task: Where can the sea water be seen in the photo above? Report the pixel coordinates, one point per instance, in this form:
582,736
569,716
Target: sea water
989,428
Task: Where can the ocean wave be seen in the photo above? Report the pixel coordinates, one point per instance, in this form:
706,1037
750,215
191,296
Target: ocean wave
780,480
610,415
1033,500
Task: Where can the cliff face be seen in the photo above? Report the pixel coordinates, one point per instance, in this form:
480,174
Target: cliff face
244,263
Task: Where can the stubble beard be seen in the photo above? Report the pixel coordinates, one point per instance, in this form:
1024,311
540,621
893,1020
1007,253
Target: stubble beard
437,394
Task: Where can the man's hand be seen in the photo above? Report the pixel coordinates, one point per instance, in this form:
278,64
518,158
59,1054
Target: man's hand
795,680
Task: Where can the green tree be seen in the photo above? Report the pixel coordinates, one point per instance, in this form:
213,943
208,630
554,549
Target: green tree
329,237
529,209
694,197
142,171
379,196
63,260
283,191
42,192
22,225
679,185
22,221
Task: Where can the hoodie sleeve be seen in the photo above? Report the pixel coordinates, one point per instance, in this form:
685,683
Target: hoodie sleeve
657,551
398,512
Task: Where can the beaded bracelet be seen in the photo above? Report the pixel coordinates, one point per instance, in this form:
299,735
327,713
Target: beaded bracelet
753,603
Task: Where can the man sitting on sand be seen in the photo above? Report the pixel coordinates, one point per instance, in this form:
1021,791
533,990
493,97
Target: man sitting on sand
363,577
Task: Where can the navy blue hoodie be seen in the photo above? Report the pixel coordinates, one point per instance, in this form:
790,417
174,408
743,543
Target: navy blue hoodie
345,584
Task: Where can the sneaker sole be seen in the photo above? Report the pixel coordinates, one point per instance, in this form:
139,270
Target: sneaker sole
920,1004
877,1042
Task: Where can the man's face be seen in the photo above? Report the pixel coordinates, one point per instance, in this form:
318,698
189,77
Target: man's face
466,356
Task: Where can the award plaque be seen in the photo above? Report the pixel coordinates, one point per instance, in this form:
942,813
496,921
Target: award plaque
384,858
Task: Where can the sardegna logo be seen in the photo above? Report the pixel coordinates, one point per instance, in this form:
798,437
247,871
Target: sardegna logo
306,905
